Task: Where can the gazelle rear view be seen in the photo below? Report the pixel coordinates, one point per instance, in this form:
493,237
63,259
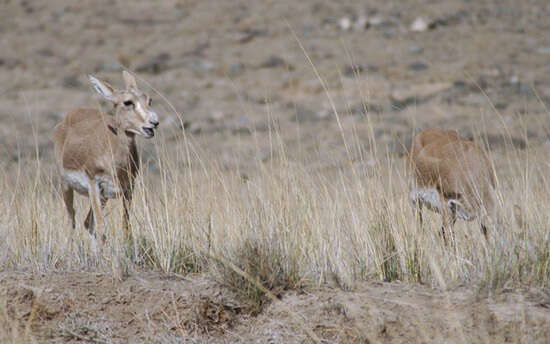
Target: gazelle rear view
451,176
96,153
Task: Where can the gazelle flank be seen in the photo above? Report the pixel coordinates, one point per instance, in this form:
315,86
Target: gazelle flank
451,176
96,152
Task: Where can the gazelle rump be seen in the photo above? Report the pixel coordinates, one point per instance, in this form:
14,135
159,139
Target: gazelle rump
452,176
96,152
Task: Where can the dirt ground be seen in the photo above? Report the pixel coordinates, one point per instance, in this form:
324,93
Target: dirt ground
152,308
233,69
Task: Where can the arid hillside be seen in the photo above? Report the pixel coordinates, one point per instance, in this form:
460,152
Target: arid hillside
273,204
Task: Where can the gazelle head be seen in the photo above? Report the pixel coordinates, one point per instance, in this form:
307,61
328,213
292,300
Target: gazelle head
132,107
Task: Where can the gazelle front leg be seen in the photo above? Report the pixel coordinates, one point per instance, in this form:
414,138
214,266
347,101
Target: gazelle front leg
449,218
95,200
127,202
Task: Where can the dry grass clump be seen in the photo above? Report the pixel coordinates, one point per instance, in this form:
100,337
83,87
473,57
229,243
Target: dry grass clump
286,225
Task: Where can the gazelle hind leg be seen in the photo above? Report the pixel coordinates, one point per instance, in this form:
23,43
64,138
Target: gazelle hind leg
68,198
89,222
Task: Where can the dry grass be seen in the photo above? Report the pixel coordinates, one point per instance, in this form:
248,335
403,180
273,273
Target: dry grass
284,225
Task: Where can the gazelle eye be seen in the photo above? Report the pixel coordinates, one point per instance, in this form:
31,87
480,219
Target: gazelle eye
128,103
150,101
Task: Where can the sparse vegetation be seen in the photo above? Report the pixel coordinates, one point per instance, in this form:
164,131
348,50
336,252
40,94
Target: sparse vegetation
276,207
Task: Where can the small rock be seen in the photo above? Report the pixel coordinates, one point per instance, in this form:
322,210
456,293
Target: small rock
400,145
194,127
71,81
525,89
241,125
45,52
344,24
501,106
419,25
308,28
543,51
248,35
389,33
415,49
500,141
302,114
376,21
324,113
155,65
201,66
364,108
361,24
273,61
418,66
460,84
513,80
216,116
352,70
474,99
403,97
236,68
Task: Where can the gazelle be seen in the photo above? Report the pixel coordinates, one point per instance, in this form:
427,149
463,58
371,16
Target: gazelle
451,176
96,153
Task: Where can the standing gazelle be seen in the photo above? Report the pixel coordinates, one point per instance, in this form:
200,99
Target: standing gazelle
96,153
451,176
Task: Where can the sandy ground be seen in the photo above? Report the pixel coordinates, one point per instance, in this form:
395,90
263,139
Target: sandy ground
232,69
152,308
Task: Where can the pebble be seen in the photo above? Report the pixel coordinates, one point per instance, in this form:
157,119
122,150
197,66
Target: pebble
302,114
236,68
351,71
419,25
418,66
109,67
155,65
216,116
513,80
543,51
248,35
344,24
241,125
71,81
415,49
403,97
362,23
273,61
376,21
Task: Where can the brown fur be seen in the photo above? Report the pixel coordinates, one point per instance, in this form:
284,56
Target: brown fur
458,169
98,145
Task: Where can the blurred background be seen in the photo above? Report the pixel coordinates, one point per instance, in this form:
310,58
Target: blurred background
317,71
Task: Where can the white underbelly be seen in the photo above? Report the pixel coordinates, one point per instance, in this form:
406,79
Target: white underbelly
428,197
431,199
79,182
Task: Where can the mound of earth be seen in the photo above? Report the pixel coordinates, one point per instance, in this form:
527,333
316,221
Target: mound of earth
155,308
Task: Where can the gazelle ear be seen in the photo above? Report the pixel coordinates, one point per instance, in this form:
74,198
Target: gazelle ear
103,88
129,80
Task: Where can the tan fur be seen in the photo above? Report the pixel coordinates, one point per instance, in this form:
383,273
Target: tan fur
458,170
99,151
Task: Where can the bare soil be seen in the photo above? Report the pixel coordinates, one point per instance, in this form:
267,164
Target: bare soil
154,308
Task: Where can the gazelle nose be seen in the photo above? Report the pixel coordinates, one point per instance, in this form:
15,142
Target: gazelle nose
155,123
